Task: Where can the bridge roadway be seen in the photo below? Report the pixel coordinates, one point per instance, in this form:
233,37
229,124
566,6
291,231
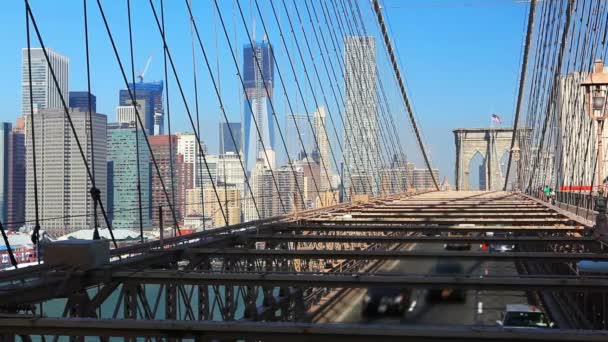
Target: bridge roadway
481,307
221,275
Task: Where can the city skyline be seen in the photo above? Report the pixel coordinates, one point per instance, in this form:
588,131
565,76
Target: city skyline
132,186
426,66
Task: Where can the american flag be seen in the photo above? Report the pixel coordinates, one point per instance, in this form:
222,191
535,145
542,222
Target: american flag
496,118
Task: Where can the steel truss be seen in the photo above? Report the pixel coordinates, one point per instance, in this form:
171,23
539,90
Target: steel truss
221,283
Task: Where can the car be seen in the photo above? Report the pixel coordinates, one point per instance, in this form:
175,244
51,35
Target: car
500,246
386,301
457,245
523,316
439,294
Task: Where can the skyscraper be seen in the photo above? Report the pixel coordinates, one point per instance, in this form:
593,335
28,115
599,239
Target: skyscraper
311,177
361,155
423,179
164,148
226,142
44,92
65,204
323,141
297,126
259,89
5,131
229,171
80,100
151,111
16,175
122,154
187,146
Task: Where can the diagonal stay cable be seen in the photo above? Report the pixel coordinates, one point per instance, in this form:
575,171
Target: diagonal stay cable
406,99
267,92
167,99
183,96
137,115
522,82
137,152
308,48
31,16
219,97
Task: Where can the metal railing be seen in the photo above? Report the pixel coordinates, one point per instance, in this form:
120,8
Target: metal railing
579,203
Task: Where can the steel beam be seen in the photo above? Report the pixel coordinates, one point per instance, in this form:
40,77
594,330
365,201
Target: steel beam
444,220
356,280
277,331
394,254
414,239
396,227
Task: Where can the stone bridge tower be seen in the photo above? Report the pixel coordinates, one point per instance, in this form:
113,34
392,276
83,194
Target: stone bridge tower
491,144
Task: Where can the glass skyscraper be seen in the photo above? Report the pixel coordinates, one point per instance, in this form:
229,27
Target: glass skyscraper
5,130
122,157
80,101
260,96
44,92
151,93
226,142
16,175
361,156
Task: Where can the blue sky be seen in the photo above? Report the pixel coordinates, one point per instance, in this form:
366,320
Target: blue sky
460,58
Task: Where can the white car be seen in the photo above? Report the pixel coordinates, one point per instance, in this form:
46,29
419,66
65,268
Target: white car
524,316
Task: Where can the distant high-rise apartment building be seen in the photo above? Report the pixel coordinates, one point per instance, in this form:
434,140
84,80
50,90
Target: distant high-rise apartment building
228,131
393,181
208,170
5,133
258,202
80,101
311,184
16,176
228,207
65,204
269,201
122,155
229,171
422,179
361,154
149,95
185,181
290,183
187,146
44,92
298,133
258,89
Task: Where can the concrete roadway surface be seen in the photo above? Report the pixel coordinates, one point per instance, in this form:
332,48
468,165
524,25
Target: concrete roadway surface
481,307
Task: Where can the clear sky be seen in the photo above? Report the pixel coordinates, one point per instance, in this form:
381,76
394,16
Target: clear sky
461,59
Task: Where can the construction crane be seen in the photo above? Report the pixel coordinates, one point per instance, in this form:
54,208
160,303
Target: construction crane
143,73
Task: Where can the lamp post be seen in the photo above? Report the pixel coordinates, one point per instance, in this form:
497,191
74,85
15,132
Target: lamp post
515,152
595,87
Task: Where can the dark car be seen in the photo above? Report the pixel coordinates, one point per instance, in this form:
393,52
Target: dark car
500,246
447,269
457,245
386,301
